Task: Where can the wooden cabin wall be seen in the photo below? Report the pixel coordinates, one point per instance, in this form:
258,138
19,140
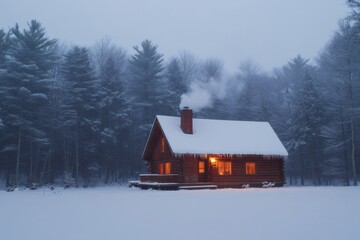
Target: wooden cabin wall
161,157
267,169
190,169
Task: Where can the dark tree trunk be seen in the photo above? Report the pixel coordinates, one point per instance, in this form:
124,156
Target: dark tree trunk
347,182
18,158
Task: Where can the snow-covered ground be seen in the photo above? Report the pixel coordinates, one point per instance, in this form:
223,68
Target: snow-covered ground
122,213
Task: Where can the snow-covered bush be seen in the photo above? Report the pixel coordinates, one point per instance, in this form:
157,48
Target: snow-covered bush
267,184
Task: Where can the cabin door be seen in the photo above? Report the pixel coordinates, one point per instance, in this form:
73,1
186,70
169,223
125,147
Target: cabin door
202,171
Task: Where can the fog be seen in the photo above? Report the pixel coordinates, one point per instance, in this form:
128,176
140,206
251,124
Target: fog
266,32
81,115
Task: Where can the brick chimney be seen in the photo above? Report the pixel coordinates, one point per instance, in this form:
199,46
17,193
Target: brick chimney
186,120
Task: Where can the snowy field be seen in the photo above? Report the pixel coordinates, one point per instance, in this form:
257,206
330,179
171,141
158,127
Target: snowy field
123,213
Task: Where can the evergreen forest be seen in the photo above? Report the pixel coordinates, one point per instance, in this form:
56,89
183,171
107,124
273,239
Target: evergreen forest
80,116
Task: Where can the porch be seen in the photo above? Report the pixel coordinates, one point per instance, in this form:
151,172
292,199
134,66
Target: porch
168,182
160,178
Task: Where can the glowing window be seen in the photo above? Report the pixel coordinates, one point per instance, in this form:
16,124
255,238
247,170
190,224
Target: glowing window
224,168
250,168
201,167
162,145
167,168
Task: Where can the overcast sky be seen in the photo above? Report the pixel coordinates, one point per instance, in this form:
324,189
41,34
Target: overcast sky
268,32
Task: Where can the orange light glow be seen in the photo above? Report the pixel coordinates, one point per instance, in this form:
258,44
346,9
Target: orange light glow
201,167
213,161
250,168
162,145
167,168
225,168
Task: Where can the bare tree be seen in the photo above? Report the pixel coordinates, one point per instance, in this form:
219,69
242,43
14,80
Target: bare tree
211,68
189,67
102,51
340,61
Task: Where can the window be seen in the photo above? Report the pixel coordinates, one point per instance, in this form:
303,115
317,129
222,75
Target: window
165,168
224,168
162,145
201,167
250,168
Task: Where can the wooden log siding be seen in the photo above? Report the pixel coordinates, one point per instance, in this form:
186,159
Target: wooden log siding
190,169
160,178
161,157
269,169
174,168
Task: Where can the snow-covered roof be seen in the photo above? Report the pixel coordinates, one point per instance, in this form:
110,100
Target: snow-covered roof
222,137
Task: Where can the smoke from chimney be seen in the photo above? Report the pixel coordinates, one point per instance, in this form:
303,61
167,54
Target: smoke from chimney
204,94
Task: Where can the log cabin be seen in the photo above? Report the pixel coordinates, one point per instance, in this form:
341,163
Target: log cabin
182,152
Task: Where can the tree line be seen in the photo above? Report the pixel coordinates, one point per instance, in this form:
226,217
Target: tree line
78,116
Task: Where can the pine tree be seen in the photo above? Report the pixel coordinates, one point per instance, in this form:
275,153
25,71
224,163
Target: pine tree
113,108
147,90
176,86
306,123
79,109
4,162
3,50
27,83
247,78
146,83
289,78
354,16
